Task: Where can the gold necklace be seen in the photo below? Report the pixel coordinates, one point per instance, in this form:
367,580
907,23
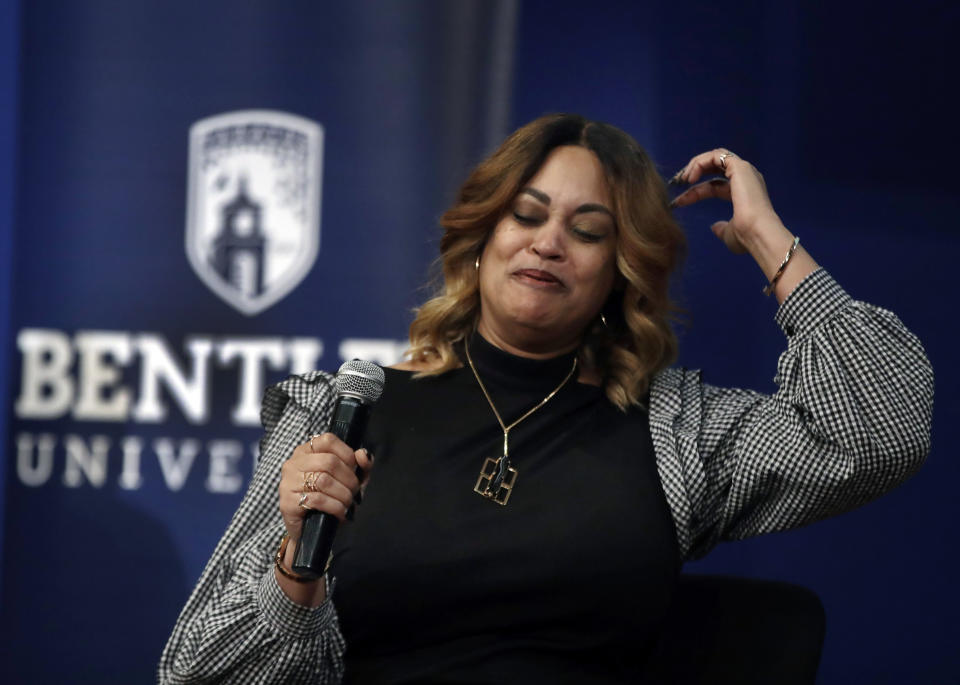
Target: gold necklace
497,477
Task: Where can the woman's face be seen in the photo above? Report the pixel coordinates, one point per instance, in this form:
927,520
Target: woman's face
549,265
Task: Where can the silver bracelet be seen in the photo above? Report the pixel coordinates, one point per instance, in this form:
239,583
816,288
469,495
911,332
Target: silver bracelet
783,265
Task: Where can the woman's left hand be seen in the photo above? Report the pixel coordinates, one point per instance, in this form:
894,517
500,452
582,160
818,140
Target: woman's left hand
742,185
754,226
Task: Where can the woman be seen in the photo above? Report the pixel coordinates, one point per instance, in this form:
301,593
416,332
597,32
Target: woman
540,473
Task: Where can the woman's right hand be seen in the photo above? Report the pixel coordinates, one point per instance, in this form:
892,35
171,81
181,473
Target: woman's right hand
320,476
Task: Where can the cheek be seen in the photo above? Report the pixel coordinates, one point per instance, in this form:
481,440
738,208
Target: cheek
603,275
600,291
505,242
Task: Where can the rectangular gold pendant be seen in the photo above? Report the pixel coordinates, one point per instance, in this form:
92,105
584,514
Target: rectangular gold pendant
485,480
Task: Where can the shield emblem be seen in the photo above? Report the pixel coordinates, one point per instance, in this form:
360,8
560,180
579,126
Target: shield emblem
253,204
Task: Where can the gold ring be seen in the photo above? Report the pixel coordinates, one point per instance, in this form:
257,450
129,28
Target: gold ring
312,438
723,158
303,498
310,479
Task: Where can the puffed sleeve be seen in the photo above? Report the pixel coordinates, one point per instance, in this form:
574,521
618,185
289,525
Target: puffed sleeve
238,626
850,420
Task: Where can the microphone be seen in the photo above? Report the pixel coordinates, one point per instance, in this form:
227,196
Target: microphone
358,384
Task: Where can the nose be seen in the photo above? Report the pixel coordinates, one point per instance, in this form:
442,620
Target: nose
548,241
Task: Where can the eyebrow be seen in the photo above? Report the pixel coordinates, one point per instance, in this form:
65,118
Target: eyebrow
582,209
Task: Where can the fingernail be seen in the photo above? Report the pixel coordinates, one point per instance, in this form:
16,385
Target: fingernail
350,513
673,204
677,178
358,498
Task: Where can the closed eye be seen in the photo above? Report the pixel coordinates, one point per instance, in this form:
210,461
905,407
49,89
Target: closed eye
588,236
525,220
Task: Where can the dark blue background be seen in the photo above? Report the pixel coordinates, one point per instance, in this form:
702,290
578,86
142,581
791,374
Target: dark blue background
848,109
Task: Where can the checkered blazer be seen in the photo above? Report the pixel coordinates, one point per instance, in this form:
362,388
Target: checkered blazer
849,421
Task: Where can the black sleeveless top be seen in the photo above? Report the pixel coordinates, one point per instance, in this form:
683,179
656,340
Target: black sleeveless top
566,583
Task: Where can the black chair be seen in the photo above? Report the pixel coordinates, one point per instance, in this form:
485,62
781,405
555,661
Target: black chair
737,630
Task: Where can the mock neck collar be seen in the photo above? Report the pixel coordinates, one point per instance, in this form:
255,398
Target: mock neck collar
497,366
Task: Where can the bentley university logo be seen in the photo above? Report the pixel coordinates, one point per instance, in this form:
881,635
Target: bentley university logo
253,205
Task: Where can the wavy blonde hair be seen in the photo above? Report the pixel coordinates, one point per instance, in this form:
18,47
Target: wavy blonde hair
637,340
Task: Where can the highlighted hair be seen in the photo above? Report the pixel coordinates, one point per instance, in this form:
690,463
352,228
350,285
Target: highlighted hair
637,340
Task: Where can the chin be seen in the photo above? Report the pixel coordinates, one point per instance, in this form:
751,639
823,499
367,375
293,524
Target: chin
535,320
546,331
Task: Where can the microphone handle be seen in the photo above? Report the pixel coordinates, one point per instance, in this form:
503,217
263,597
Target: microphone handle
349,423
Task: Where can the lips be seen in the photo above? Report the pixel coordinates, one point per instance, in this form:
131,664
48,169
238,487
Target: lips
538,276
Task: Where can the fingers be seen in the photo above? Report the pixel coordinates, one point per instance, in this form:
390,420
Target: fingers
742,184
724,231
295,505
714,188
323,474
365,462
318,471
721,174
718,161
327,443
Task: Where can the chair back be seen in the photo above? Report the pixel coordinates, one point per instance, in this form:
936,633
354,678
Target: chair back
737,630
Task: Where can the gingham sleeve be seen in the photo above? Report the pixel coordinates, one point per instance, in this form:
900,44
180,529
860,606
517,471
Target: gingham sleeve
238,626
850,420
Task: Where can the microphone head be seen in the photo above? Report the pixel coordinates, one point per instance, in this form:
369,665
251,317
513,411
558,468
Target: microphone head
360,379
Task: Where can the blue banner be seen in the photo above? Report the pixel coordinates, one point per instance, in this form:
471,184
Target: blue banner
212,196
